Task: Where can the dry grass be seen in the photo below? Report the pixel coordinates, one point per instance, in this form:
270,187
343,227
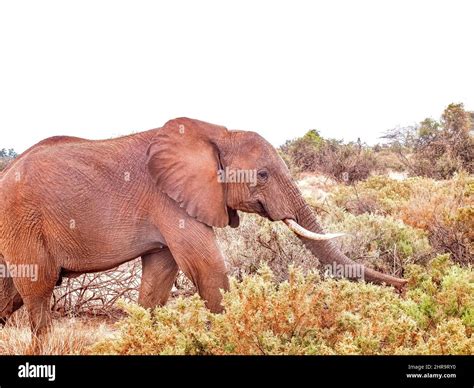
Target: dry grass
316,187
69,336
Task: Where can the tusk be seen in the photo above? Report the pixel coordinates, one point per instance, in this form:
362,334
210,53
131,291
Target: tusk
298,229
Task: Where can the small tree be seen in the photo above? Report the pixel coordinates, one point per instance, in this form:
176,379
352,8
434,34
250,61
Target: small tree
301,153
345,162
6,156
437,149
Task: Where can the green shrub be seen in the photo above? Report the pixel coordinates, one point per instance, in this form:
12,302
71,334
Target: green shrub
377,194
385,243
446,291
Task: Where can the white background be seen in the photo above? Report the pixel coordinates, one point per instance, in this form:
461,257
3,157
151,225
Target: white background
352,69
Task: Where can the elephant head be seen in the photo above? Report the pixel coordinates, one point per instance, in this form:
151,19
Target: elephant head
212,172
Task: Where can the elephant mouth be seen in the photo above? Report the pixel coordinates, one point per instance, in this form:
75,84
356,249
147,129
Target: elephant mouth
262,211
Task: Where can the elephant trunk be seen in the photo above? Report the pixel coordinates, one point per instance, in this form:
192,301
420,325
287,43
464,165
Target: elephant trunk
330,255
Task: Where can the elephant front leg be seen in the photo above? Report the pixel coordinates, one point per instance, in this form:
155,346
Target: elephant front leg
208,274
210,284
159,271
195,250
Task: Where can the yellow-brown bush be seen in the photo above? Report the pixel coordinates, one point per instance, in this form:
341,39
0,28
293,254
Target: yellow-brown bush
308,315
444,209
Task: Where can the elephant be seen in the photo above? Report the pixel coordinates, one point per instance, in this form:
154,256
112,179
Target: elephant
70,206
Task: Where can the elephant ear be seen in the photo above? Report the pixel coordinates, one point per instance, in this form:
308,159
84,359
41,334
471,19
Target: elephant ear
183,160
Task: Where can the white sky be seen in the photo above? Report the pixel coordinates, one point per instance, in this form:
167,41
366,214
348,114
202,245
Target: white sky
98,69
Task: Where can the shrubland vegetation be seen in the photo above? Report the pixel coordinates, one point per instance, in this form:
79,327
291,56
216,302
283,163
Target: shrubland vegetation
407,206
434,149
308,315
345,162
6,156
442,210
437,149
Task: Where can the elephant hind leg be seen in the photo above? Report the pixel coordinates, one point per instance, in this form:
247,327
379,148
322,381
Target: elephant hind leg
159,271
10,298
39,311
36,293
10,302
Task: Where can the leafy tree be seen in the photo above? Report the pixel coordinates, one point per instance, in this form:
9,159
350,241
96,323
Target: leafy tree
301,153
428,130
456,121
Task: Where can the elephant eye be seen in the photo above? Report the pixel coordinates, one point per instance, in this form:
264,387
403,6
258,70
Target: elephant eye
262,175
